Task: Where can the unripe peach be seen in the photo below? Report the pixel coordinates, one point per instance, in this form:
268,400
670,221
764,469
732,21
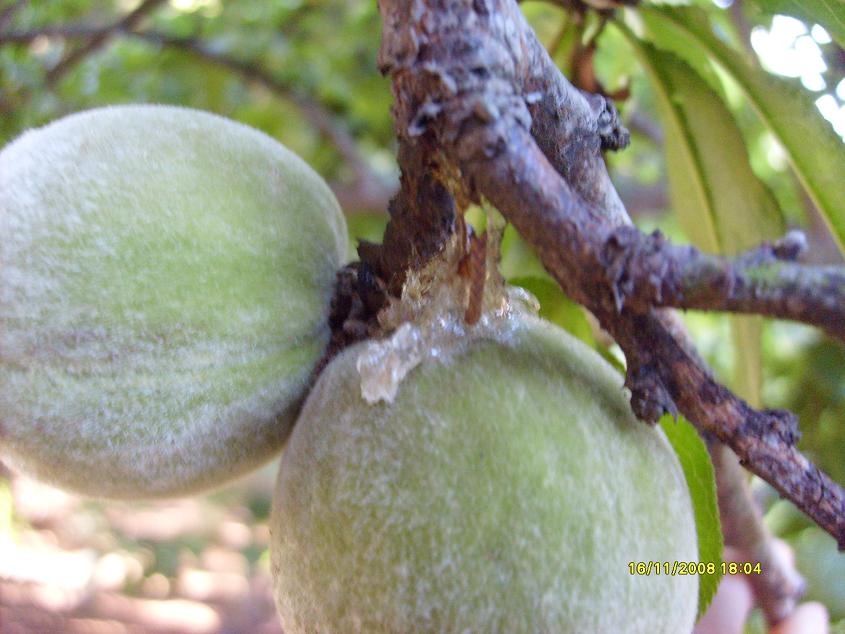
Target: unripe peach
506,488
165,276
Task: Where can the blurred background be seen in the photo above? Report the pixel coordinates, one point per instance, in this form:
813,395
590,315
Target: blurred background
305,73
191,565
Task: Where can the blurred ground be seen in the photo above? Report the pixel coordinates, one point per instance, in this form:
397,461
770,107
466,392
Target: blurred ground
193,565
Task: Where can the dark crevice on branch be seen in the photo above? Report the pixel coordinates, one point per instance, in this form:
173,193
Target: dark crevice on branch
423,215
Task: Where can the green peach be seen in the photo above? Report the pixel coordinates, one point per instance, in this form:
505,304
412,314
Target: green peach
165,276
504,489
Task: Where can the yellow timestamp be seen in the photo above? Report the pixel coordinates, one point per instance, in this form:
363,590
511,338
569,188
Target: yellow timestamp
680,568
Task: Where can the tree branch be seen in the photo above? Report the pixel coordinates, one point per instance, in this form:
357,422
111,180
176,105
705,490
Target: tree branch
777,591
8,13
67,31
367,191
99,39
470,79
648,271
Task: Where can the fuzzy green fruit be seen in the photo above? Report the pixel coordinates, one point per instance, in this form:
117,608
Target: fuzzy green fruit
165,276
503,490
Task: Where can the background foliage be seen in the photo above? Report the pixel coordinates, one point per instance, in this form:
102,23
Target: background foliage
725,154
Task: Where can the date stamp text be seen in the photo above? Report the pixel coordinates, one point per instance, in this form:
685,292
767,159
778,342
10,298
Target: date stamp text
680,568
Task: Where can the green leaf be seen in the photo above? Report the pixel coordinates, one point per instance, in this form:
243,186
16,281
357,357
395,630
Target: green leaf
557,307
365,226
815,151
698,470
721,204
518,259
829,13
746,332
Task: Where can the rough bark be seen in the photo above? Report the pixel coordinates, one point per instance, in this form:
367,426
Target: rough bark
482,113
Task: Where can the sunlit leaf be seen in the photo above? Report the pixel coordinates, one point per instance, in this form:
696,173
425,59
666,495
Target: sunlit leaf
814,149
829,13
721,203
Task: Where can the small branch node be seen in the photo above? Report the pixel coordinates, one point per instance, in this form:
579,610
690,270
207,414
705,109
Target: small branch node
423,117
612,133
626,252
784,424
791,246
650,399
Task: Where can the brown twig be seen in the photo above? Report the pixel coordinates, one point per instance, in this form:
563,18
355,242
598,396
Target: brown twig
98,36
743,30
66,31
99,39
644,125
648,271
778,590
472,82
662,375
8,13
368,190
